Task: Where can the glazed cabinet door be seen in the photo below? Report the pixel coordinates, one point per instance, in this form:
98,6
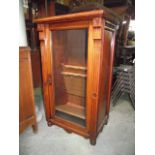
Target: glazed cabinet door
69,59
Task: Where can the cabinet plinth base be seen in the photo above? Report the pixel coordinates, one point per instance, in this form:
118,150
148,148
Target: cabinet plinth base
101,129
35,128
93,142
68,131
106,120
49,123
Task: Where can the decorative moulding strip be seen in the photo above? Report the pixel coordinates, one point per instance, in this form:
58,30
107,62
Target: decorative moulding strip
71,17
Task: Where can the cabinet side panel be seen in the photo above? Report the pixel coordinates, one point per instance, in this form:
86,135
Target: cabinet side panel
104,78
110,73
27,115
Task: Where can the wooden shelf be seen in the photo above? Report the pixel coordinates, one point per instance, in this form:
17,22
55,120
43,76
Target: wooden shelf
74,74
74,67
70,109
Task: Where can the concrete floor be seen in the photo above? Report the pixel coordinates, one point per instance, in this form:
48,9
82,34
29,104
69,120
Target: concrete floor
117,138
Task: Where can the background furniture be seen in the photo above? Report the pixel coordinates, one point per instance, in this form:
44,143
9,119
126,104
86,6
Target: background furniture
38,9
125,83
77,69
27,116
126,55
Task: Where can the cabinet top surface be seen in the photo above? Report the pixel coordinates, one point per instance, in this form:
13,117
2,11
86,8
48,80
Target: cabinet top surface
78,16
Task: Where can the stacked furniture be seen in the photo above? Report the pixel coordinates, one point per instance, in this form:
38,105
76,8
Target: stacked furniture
125,83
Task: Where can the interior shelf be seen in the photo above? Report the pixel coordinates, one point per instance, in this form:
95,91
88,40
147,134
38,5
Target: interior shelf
77,111
74,74
74,67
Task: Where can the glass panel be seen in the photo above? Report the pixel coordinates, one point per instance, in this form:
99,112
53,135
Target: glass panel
70,74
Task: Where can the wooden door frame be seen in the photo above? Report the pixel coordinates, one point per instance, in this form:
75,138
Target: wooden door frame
51,119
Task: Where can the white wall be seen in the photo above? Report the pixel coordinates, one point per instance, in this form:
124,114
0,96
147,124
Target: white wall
132,25
22,28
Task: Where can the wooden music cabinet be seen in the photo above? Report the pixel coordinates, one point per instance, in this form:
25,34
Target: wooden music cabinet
77,52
